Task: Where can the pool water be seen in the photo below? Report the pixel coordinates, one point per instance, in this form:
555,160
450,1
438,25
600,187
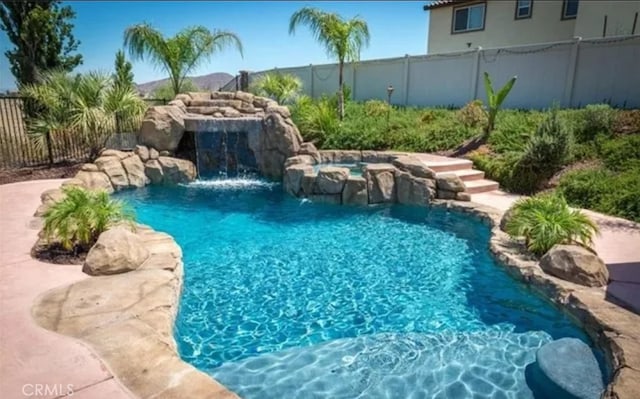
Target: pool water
355,169
284,298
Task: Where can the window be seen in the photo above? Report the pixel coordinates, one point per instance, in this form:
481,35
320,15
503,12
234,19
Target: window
468,18
523,9
569,9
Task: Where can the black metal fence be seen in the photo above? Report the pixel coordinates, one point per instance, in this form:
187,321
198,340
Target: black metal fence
20,149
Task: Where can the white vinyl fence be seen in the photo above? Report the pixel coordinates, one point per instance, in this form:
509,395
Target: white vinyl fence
570,73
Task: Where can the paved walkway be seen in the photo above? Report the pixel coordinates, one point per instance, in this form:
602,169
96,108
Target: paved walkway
30,355
618,245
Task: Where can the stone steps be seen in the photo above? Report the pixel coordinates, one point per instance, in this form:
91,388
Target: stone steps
480,186
473,179
467,174
448,164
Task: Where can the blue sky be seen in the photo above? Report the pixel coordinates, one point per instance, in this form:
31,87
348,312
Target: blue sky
397,28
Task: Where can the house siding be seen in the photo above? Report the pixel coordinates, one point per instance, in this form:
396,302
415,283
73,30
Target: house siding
501,28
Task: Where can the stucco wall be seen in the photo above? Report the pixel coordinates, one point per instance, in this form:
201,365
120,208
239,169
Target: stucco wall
501,28
620,15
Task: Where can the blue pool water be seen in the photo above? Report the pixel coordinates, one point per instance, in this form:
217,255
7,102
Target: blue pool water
285,298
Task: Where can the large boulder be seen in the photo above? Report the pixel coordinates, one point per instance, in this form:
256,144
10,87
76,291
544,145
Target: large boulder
413,166
153,170
308,183
331,179
380,182
449,182
117,250
177,170
413,190
162,127
113,168
280,140
355,191
135,171
565,368
293,177
142,152
575,264
97,180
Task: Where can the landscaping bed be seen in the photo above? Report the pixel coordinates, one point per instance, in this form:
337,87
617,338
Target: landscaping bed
590,155
61,170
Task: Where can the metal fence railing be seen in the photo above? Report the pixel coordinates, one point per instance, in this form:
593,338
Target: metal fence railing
20,149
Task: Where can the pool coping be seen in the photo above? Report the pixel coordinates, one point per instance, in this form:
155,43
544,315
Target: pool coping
132,338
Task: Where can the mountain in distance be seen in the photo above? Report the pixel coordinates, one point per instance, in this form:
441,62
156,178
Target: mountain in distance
210,82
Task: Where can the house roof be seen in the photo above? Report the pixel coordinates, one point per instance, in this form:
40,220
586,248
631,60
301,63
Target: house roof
444,3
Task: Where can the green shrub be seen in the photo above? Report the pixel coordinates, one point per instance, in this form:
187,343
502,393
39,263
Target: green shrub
595,119
78,219
547,220
472,114
545,153
376,108
621,153
614,193
316,120
284,88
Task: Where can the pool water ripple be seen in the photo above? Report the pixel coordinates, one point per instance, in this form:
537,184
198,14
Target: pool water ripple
409,293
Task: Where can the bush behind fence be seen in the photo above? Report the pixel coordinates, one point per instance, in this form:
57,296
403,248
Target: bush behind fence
19,149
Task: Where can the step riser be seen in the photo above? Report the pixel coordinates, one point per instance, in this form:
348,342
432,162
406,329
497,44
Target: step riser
449,168
475,176
482,189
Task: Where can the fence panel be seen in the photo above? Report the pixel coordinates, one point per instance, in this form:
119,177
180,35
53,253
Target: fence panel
607,70
373,78
571,73
542,73
19,149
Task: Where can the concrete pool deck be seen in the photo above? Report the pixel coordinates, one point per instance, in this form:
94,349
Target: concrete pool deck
32,355
618,245
29,354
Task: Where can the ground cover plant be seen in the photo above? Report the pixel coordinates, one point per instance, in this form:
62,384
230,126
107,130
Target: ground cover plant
72,225
546,220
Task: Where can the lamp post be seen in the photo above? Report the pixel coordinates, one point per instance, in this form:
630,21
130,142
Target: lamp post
389,93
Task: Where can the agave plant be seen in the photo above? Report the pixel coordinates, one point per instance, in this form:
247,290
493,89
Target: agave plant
284,88
546,220
495,100
89,104
77,220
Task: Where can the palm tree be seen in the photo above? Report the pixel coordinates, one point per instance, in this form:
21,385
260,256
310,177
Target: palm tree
284,88
340,38
88,104
180,54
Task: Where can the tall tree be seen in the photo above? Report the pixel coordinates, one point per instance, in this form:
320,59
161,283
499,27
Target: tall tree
180,54
123,76
41,33
341,38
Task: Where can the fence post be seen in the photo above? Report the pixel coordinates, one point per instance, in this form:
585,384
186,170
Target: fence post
475,74
406,79
353,81
49,147
311,88
571,73
244,80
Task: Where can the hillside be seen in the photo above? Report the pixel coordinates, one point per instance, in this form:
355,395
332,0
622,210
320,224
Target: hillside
210,82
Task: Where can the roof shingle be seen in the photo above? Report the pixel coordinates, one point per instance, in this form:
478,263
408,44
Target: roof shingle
443,3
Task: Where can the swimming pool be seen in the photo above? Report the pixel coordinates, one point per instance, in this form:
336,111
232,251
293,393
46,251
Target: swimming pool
287,298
